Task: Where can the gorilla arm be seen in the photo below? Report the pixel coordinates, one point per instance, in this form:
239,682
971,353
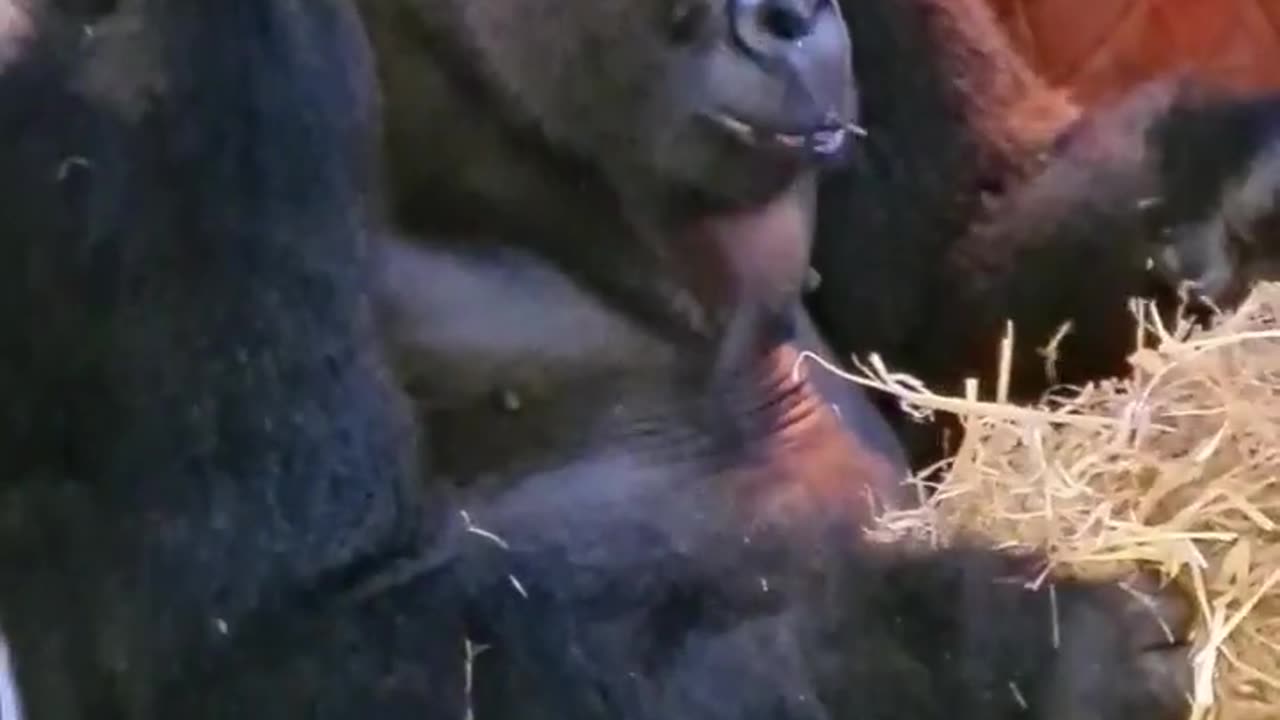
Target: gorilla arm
956,634
743,630
201,449
1171,186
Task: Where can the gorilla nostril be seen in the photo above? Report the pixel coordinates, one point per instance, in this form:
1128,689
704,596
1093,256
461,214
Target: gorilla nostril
766,27
782,21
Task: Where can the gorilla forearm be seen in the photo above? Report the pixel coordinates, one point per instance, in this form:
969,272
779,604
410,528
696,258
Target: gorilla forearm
954,116
1067,248
1133,201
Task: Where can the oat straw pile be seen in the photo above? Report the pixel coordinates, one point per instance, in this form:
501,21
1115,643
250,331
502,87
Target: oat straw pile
1177,466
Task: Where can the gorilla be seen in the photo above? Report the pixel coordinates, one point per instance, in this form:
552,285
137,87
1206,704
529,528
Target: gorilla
536,450
601,218
981,195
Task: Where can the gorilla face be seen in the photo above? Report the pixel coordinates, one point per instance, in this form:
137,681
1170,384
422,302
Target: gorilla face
727,100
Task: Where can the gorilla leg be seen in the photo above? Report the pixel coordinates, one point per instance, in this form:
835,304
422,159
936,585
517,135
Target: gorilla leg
198,439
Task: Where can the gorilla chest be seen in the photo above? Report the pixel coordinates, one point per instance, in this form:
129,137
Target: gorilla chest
773,447
513,370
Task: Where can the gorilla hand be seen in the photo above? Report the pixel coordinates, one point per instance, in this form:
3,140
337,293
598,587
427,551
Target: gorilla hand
1059,649
1124,653
1214,219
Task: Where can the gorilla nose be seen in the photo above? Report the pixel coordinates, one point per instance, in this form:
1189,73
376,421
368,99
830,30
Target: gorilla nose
771,28
784,70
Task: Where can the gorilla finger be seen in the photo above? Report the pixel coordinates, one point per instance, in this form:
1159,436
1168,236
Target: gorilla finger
1155,614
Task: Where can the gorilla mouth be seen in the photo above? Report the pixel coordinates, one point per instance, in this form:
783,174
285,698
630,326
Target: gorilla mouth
823,140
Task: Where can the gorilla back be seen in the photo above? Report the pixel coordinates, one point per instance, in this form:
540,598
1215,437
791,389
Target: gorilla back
199,448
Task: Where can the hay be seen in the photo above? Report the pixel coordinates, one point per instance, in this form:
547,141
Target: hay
1176,467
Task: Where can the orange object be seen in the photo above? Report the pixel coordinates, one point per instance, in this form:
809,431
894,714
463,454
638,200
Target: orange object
1100,47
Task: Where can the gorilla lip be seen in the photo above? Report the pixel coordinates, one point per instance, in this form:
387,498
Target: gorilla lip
824,140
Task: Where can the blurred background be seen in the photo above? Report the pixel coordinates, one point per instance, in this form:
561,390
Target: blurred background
1100,47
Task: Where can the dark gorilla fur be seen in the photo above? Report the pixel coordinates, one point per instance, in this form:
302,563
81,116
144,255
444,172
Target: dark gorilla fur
981,195
200,447
592,295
